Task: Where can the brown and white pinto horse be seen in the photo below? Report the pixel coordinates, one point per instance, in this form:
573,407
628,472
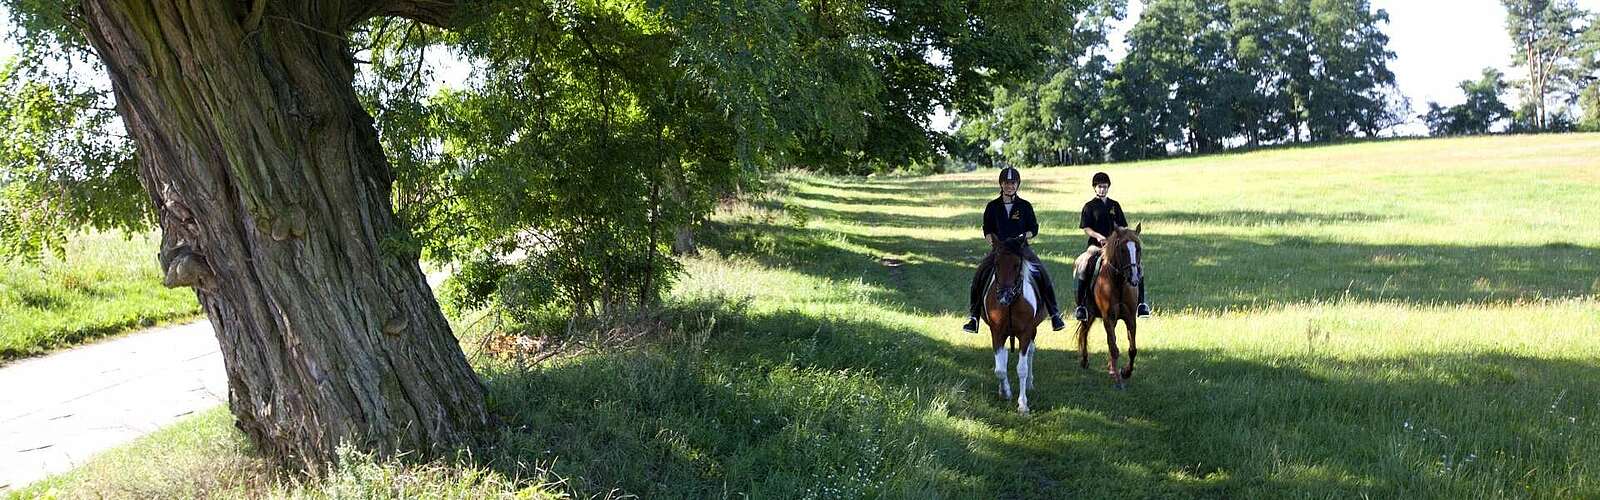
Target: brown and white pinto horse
1116,295
1013,308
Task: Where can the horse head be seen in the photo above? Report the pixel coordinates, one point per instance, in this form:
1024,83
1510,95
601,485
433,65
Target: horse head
1123,253
1008,269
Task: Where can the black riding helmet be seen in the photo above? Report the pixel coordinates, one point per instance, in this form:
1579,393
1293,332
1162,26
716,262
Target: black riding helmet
1010,174
1099,178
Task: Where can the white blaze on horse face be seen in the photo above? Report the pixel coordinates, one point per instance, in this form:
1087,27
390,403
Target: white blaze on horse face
1133,260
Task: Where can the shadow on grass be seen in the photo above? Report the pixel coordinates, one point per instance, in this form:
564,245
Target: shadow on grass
1187,272
792,405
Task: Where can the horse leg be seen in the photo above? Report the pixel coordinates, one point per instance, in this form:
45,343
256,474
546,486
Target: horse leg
1032,355
1024,376
1002,357
1133,347
1111,348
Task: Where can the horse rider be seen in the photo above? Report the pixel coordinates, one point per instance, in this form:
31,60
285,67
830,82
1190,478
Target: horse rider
1101,216
1009,216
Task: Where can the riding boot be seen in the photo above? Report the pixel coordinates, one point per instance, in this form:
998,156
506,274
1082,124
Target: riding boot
974,307
975,294
1144,306
1080,313
1048,288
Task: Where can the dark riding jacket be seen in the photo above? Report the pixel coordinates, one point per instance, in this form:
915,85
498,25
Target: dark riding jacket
1002,224
1103,217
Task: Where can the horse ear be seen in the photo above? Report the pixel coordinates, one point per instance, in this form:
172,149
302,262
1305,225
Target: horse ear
1138,229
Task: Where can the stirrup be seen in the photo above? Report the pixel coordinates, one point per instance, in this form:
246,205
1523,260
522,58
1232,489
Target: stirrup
1081,313
971,326
1144,310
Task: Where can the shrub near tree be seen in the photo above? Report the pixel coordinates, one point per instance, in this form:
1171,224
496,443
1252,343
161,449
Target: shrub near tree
1481,112
296,199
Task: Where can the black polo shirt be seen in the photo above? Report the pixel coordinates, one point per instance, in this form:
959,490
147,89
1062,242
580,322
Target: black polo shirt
1102,217
997,221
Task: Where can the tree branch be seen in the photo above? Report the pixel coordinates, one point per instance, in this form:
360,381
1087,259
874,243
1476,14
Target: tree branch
437,13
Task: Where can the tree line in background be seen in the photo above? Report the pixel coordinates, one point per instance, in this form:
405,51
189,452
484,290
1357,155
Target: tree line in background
1557,49
1202,77
1198,77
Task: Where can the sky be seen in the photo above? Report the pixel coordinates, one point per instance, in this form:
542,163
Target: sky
1437,44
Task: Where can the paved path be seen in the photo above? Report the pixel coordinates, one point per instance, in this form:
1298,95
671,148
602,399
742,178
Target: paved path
58,411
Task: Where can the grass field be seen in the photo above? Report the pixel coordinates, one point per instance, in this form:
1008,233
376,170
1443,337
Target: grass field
1402,318
107,283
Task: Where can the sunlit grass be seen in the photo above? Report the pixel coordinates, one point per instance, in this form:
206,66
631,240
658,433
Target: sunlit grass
107,283
1394,319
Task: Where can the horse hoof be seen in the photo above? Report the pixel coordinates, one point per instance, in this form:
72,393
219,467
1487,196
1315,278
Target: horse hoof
1120,386
1127,374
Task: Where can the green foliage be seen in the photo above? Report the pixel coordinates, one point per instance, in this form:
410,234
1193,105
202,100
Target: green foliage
1055,118
1482,110
473,285
922,55
1202,77
63,167
591,131
46,27
579,145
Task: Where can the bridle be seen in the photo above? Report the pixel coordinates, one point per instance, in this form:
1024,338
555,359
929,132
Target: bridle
1132,273
1009,294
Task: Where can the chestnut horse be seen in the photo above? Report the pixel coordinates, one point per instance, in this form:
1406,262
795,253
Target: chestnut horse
1013,308
1116,295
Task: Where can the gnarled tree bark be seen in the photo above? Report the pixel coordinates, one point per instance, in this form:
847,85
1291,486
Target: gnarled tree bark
273,196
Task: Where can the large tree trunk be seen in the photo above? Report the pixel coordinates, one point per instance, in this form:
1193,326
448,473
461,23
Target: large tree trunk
274,201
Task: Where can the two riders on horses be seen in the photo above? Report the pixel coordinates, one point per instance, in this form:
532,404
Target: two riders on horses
1009,216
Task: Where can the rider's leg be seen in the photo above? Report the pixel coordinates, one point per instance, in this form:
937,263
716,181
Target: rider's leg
1144,305
975,295
1047,287
1080,312
1082,283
